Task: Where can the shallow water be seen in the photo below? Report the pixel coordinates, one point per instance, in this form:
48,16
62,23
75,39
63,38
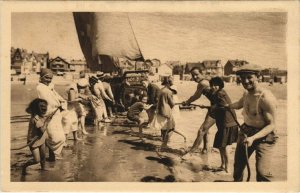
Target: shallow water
114,153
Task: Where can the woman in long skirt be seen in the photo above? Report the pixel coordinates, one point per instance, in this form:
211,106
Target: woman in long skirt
56,137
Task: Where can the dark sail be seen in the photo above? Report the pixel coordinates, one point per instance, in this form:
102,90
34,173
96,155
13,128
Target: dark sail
104,37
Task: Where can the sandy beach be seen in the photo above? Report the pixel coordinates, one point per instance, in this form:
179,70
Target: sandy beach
112,150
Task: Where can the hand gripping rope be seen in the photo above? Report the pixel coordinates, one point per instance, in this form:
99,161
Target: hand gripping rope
234,118
36,138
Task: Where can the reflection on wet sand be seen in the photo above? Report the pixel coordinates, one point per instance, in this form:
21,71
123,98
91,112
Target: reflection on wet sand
114,153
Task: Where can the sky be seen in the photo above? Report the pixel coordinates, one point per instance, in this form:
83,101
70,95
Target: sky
189,37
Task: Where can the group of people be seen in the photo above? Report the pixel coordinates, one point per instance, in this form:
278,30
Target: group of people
158,108
256,134
54,117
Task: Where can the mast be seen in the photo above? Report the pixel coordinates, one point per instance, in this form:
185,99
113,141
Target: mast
135,39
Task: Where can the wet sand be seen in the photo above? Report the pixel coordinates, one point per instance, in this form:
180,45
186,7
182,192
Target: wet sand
114,153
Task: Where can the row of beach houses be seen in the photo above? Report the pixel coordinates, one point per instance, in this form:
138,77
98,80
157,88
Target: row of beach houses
23,62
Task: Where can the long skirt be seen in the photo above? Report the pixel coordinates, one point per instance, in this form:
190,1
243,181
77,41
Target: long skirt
162,123
56,136
69,121
98,108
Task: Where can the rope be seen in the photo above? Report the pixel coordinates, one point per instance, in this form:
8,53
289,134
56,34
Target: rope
247,160
239,125
36,138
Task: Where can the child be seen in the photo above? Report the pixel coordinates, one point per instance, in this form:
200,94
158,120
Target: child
138,93
37,108
138,114
225,120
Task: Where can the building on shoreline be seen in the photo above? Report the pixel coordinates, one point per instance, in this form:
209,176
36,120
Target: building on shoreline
59,64
232,65
25,63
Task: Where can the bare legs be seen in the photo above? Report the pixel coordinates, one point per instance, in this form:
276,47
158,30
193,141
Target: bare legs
224,159
202,134
82,125
165,134
38,157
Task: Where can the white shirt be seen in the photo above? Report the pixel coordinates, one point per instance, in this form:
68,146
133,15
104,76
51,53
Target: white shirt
50,95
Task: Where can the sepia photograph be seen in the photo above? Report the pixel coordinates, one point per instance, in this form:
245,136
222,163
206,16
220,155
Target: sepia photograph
160,97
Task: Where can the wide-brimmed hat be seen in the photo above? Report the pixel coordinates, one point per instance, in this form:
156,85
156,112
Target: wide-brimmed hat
249,69
99,74
83,82
93,80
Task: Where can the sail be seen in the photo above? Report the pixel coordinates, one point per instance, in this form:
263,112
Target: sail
104,37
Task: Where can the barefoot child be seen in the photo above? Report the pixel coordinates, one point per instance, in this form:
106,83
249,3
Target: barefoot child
137,112
37,108
227,128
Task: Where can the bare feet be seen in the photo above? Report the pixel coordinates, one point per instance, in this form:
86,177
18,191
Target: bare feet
107,120
84,132
58,157
78,139
204,151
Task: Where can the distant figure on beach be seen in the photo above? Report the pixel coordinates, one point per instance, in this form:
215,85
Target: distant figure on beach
271,81
203,84
37,109
137,113
24,82
225,120
56,137
259,111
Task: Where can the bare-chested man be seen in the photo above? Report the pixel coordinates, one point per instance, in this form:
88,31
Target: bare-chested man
203,85
259,110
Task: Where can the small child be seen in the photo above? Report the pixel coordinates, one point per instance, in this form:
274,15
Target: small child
225,120
138,93
37,108
137,112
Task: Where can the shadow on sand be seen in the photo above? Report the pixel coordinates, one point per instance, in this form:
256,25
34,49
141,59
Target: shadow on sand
168,178
139,145
135,134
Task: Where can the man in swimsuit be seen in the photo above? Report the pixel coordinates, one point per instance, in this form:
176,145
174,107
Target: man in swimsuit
259,111
203,84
